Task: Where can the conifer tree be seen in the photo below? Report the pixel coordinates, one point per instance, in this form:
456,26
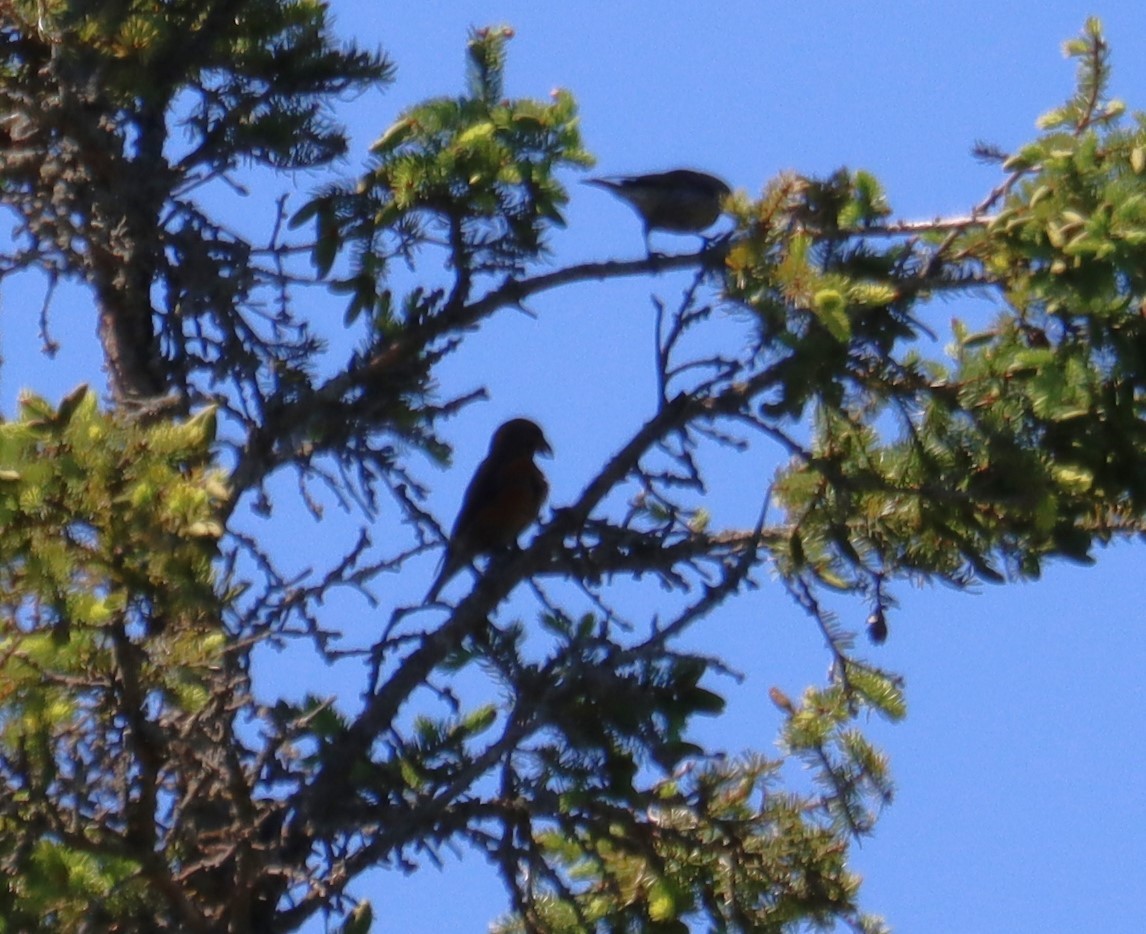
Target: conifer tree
150,782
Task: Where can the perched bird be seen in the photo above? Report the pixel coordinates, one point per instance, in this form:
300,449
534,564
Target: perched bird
681,201
505,495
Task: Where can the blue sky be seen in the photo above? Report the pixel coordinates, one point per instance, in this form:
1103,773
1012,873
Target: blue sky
1020,768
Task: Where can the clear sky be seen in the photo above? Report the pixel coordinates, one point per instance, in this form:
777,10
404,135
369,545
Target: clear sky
1021,802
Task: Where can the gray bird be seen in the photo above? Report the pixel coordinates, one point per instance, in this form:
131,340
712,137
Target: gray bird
680,201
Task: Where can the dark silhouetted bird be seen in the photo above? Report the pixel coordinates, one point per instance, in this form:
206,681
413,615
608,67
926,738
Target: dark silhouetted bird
505,495
681,201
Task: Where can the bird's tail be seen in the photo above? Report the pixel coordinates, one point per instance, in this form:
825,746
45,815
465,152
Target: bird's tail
450,565
602,182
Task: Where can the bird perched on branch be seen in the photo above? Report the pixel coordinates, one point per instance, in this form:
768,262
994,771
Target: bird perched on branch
680,201
505,495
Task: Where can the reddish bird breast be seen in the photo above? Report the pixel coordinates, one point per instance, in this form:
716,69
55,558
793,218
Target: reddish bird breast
505,495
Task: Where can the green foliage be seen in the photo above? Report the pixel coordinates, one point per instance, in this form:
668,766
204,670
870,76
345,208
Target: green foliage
61,888
257,71
359,921
116,114
139,506
1028,441
476,174
719,845
108,589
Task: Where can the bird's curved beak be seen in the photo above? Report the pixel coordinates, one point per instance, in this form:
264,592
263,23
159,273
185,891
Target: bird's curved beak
544,448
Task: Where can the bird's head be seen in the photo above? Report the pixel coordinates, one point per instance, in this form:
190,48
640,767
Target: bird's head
520,436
